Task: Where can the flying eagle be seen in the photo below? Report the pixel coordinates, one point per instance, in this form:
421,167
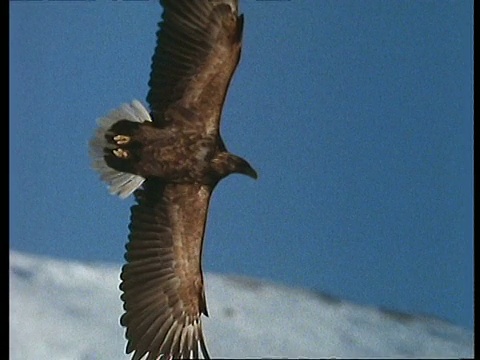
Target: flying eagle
171,158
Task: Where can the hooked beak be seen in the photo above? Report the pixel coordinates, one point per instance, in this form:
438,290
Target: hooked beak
248,170
251,172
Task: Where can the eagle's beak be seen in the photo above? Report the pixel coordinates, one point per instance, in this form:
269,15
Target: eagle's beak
228,163
249,171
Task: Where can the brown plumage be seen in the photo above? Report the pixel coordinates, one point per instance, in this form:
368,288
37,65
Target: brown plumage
171,159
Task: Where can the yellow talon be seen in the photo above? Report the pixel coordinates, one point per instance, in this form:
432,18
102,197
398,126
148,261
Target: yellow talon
121,139
120,153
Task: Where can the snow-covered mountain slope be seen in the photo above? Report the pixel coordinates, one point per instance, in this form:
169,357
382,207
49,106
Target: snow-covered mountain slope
68,310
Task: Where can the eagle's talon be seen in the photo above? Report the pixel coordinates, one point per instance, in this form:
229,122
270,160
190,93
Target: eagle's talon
121,139
120,153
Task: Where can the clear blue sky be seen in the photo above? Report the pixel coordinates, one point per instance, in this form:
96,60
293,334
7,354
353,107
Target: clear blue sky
356,114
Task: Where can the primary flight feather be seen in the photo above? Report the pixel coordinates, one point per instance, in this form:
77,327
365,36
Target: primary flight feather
171,158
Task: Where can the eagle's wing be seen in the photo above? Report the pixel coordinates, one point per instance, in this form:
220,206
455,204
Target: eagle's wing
162,281
198,49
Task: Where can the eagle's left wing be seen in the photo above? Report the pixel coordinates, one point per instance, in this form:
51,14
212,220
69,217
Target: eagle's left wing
198,49
162,282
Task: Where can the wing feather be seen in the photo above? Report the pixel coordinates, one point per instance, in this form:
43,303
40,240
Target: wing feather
162,281
198,49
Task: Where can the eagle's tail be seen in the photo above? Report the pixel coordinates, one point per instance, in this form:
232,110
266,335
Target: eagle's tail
119,183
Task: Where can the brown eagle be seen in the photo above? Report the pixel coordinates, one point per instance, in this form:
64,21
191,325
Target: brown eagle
171,158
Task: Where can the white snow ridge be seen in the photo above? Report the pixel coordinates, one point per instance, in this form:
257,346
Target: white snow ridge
63,310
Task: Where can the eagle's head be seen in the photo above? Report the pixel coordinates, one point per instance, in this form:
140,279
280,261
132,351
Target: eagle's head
226,163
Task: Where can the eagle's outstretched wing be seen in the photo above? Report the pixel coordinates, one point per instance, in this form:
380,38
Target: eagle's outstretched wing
198,49
162,281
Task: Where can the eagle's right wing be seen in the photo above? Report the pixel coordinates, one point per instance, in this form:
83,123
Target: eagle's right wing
162,281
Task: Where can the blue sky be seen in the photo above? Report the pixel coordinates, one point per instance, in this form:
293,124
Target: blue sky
357,116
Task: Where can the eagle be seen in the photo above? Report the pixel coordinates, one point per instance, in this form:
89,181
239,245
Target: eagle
170,158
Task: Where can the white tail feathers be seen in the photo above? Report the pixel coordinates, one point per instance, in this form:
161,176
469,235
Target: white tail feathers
119,183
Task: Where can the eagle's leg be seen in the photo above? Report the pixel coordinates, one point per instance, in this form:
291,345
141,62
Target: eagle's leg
121,139
120,153
121,136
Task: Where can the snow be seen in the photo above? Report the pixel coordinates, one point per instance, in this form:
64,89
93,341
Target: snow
69,310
